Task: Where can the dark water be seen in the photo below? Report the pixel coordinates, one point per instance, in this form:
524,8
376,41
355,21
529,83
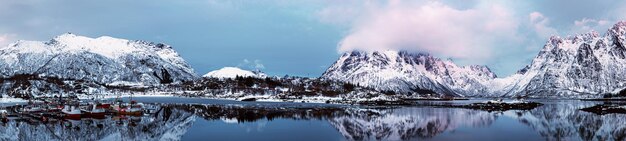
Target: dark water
204,119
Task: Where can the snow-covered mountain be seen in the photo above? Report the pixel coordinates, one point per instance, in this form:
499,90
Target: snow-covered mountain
232,72
407,72
581,66
101,60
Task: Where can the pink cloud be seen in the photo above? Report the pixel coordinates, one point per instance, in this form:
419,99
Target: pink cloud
433,27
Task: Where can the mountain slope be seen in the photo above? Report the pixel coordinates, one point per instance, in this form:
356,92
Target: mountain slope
232,72
409,73
100,60
583,66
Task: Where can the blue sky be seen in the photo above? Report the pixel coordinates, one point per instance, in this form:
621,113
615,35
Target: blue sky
304,37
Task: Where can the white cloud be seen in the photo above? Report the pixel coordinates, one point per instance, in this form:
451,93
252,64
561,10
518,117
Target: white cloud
433,27
540,25
587,24
256,64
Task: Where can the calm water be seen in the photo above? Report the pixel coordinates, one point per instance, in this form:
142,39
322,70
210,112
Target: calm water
204,119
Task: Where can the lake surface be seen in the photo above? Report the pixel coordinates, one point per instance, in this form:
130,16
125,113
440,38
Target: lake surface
206,119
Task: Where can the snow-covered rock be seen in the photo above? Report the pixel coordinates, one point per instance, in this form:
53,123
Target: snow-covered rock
407,72
232,72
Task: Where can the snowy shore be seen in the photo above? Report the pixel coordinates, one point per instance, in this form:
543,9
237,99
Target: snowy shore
111,96
6,100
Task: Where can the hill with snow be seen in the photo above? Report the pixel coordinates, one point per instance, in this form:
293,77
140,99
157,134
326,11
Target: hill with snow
232,72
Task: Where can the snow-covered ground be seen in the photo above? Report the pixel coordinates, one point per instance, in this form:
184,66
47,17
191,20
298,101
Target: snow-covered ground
109,96
5,100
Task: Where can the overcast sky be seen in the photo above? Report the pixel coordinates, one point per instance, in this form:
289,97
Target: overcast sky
304,37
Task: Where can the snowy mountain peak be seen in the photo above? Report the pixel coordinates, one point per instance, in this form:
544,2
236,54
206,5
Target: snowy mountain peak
618,29
67,36
232,72
584,36
555,41
106,46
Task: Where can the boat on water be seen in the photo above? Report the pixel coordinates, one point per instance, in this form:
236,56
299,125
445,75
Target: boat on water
133,108
71,112
40,108
105,103
94,110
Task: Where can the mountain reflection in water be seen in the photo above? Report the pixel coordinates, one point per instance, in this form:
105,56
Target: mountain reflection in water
168,123
564,121
561,120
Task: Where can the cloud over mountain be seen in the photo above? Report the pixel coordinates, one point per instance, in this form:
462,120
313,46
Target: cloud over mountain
433,27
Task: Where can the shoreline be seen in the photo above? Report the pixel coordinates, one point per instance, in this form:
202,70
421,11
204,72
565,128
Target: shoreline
604,99
306,99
